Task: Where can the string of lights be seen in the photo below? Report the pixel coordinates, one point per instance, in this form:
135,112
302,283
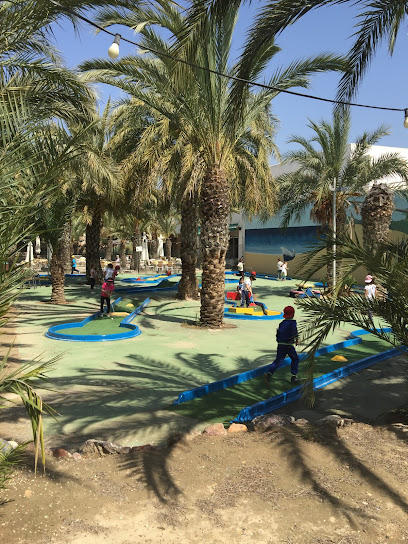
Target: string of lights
113,53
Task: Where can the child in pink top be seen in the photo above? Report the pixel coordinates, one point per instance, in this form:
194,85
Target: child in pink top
106,291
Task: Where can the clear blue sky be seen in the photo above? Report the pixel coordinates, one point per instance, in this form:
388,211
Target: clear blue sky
324,30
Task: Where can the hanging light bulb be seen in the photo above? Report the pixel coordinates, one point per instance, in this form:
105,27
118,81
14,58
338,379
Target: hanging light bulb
113,50
406,118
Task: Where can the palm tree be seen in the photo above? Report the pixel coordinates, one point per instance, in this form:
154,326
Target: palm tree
198,103
388,263
311,184
376,22
36,92
376,214
98,185
130,123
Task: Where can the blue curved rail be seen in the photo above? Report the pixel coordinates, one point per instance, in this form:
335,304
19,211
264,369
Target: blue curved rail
249,374
269,405
133,330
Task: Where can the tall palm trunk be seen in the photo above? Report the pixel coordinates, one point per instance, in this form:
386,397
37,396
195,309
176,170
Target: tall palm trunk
122,253
215,211
109,248
376,215
188,286
57,277
66,246
167,248
137,242
93,242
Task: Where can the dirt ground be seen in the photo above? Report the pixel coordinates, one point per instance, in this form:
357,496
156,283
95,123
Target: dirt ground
303,485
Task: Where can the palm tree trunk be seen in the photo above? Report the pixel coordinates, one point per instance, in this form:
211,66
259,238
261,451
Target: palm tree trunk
93,242
341,231
65,244
376,215
109,248
122,254
137,242
215,211
188,286
57,277
167,248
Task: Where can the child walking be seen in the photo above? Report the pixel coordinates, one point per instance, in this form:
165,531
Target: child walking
246,290
108,272
92,277
73,265
106,291
287,336
116,272
240,287
370,292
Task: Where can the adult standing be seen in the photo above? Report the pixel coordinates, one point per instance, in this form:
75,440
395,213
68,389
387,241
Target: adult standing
284,271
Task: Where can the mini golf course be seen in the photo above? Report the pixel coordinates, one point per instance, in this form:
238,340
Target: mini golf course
231,403
123,391
99,328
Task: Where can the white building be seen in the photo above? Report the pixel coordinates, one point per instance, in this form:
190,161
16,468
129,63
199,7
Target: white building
262,243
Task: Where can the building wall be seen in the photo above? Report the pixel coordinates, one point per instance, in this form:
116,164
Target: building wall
266,242
266,263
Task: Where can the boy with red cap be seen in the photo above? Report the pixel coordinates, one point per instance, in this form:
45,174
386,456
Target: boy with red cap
287,336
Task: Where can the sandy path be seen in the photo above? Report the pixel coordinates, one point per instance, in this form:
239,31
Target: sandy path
301,486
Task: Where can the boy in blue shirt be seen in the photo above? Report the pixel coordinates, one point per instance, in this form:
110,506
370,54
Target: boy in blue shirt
73,265
286,336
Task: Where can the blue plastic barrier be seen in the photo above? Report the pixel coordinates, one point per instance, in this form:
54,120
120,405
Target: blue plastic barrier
126,323
264,407
248,375
269,405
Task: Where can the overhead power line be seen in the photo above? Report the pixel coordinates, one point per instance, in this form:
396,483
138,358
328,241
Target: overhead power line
221,74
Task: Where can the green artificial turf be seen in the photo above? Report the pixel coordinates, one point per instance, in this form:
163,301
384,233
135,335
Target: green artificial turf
101,325
226,404
122,306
